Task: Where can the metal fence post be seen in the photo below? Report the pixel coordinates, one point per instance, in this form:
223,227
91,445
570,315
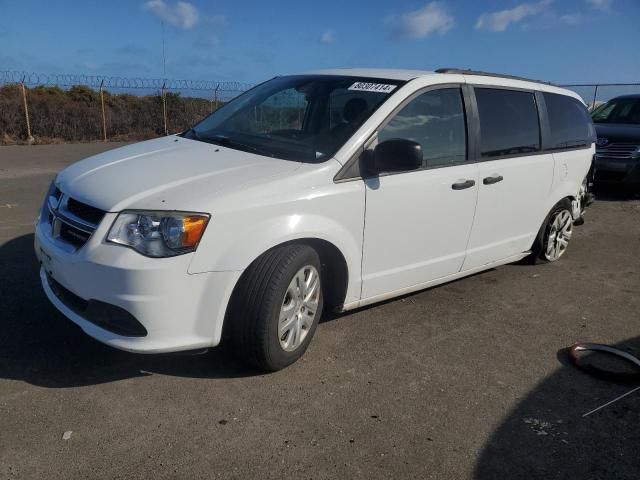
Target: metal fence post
30,138
215,97
164,108
104,120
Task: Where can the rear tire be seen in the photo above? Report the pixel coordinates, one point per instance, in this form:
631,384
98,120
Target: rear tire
276,307
554,235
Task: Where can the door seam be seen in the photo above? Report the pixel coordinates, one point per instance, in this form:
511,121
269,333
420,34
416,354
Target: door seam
473,220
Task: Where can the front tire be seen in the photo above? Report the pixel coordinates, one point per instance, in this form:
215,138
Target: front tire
277,306
554,235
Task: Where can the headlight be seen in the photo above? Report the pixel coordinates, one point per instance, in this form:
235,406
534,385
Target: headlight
159,234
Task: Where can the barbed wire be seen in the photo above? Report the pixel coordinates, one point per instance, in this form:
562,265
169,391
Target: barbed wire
107,82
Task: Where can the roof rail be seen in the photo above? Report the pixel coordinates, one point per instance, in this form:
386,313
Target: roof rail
461,71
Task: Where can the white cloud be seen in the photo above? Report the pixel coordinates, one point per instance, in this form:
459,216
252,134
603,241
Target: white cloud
600,4
572,18
180,14
422,22
499,21
327,37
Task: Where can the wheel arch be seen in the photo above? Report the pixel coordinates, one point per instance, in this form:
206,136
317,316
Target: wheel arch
334,266
551,207
538,240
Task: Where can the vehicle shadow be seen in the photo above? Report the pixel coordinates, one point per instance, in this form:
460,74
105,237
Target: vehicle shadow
40,346
330,315
546,436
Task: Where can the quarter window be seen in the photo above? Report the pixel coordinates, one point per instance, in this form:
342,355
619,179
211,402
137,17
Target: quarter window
436,121
508,122
569,122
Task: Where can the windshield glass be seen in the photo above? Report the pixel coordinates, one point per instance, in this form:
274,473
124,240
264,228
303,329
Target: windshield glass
304,118
620,110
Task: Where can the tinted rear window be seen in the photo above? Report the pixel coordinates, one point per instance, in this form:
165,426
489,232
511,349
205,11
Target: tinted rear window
569,122
508,122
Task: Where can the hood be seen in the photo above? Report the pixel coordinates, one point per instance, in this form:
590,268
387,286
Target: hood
618,132
169,173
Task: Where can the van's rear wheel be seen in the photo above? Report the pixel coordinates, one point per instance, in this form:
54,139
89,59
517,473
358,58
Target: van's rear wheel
554,235
277,307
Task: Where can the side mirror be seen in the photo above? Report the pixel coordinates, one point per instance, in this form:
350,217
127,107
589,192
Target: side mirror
393,155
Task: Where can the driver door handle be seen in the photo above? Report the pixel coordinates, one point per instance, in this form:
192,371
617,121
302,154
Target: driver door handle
462,184
492,180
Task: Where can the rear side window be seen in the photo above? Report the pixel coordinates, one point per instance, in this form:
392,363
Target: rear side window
569,122
508,122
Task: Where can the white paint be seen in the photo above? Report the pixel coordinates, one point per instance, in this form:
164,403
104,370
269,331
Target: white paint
416,227
509,213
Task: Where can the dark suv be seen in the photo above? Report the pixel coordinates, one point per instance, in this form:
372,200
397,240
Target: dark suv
617,124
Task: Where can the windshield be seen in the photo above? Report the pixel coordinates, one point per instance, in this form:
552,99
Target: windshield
618,110
304,118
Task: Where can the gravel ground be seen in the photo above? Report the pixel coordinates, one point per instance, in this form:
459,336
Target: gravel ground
466,380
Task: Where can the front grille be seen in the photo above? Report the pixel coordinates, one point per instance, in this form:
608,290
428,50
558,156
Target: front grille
84,211
56,193
73,235
71,221
617,150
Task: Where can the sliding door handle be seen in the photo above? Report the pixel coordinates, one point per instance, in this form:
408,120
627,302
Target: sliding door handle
492,180
462,184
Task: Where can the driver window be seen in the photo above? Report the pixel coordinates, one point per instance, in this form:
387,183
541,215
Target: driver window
436,121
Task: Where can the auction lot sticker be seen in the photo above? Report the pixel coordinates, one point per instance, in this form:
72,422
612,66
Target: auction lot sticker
372,87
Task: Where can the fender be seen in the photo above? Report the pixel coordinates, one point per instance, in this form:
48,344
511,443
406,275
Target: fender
333,213
570,169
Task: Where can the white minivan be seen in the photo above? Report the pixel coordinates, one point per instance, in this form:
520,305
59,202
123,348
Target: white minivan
331,189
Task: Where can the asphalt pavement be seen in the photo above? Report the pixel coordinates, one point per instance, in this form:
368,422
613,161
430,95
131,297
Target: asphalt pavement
467,380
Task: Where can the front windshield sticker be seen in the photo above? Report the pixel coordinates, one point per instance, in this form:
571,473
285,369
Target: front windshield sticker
372,87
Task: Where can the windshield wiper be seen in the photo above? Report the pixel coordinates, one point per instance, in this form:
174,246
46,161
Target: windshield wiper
192,134
232,143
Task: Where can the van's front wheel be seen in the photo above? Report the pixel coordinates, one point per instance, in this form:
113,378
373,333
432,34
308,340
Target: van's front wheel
277,306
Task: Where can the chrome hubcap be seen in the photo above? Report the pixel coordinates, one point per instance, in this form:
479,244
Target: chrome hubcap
559,235
299,308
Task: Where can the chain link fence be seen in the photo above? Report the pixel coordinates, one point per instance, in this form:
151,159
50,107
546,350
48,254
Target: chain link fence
49,108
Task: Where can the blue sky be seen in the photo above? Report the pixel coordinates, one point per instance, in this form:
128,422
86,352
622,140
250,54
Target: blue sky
557,40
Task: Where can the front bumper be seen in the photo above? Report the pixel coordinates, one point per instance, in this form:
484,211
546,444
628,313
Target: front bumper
621,171
178,310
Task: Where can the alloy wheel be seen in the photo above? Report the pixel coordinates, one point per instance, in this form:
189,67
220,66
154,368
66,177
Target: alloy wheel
559,235
299,308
